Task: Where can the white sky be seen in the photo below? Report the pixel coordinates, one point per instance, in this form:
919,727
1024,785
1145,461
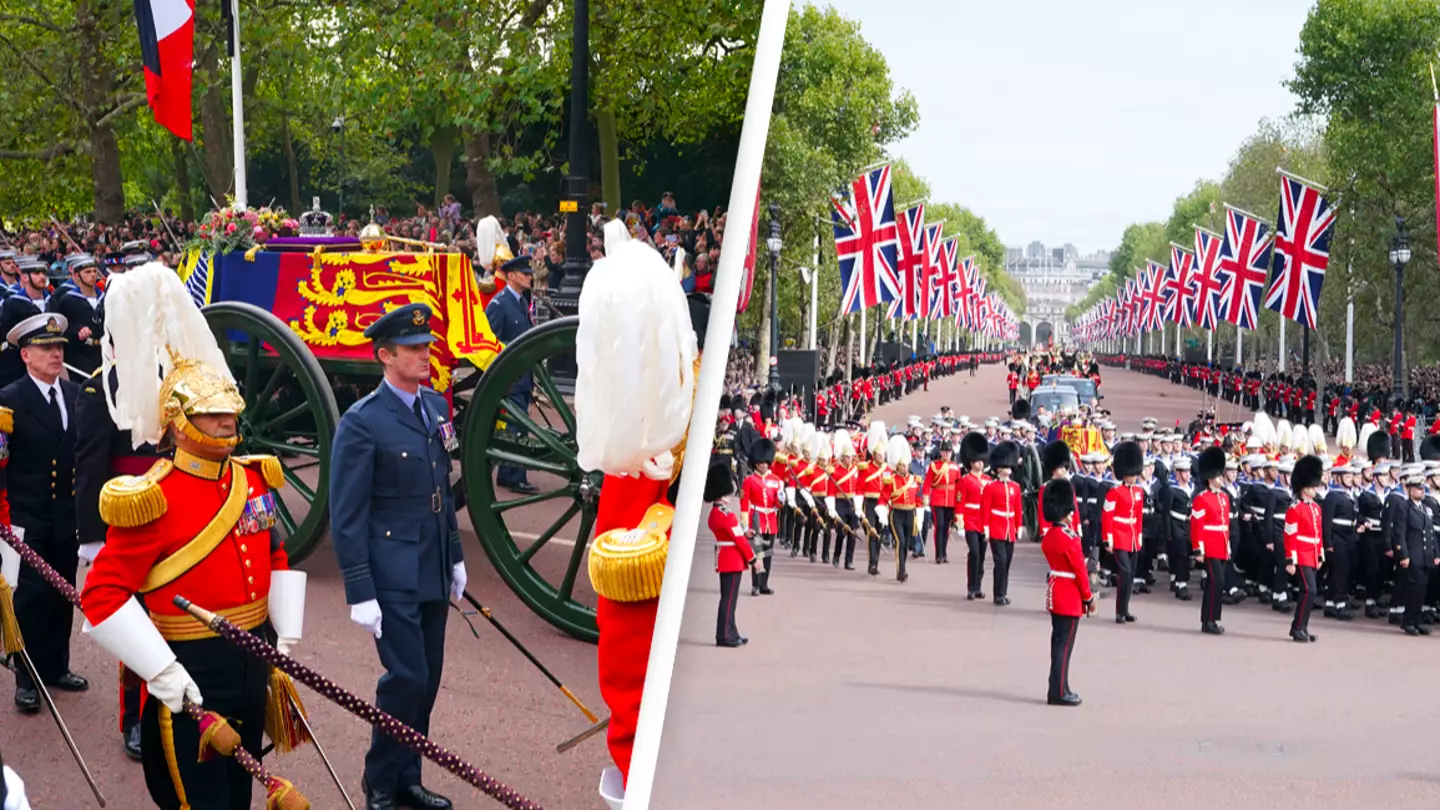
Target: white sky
1066,120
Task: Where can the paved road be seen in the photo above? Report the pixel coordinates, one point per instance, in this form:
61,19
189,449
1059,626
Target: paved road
495,710
860,693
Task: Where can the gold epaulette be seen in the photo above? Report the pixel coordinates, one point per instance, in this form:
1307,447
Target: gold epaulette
629,566
129,501
7,420
270,469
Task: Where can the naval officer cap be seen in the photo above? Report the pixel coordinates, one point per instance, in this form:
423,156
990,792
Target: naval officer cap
45,329
7,255
79,261
405,326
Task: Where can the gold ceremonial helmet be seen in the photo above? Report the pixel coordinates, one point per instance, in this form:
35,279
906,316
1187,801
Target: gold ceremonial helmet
193,388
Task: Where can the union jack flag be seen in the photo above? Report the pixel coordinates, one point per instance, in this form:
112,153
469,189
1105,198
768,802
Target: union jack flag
911,254
945,284
1302,252
1181,303
1243,268
1208,282
1157,288
866,242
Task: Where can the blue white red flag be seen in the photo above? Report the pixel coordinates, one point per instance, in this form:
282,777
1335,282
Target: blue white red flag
1243,268
1302,252
866,242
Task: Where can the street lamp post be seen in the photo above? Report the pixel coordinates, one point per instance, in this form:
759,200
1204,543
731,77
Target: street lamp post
1399,256
338,126
577,244
774,245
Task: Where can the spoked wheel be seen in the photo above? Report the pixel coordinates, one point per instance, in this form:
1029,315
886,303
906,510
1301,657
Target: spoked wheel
537,542
290,413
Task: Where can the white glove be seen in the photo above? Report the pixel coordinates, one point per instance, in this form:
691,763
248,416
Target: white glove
858,501
790,496
659,468
809,499
286,644
921,512
367,615
14,791
830,506
173,686
882,512
89,551
457,580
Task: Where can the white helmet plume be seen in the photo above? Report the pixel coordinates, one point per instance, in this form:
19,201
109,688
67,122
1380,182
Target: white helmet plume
635,353
149,314
898,451
489,241
875,439
615,236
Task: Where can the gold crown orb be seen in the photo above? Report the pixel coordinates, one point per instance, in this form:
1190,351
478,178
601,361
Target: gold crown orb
372,238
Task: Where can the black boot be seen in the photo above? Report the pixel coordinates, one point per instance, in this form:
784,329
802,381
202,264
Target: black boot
765,584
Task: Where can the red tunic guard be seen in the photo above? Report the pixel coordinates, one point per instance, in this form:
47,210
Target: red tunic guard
1210,525
1067,588
1120,517
1000,510
1302,534
760,502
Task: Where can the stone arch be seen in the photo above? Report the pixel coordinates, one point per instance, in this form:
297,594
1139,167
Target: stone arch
1025,333
1043,332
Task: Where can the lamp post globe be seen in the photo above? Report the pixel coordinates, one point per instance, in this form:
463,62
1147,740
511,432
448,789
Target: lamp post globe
773,244
1399,256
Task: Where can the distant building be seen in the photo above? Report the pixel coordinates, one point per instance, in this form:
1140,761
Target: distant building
1053,280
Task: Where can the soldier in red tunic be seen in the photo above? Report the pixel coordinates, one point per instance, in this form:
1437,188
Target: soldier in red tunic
1056,462
199,527
636,437
941,481
1210,533
901,494
759,511
1001,509
974,455
732,554
1303,548
1120,526
1067,588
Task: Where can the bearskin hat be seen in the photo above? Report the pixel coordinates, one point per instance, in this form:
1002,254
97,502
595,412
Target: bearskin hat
1430,449
1129,459
724,403
762,452
1210,464
1005,454
1055,455
1307,473
718,483
974,447
1057,500
755,399
1020,411
1377,447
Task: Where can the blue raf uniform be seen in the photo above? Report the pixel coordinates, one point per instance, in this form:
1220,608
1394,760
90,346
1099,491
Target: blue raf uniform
509,316
398,543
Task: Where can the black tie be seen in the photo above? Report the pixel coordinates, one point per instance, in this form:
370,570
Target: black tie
420,414
55,409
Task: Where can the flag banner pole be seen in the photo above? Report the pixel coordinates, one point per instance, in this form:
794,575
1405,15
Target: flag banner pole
1297,178
709,385
1239,346
864,336
1283,353
908,205
815,293
1255,217
237,103
872,167
1207,230
1210,346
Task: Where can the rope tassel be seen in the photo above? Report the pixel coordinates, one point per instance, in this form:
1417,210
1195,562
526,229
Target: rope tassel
281,795
286,730
11,641
216,736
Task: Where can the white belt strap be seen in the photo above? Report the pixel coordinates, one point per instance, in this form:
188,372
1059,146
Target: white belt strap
1342,522
1216,528
763,509
1314,541
1179,515
1063,574
1126,521
725,544
1002,514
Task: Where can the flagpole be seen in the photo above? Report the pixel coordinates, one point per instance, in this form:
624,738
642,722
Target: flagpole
1239,346
815,292
864,336
1210,346
1282,345
237,102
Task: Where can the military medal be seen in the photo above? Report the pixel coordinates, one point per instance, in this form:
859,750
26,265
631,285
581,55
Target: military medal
447,435
259,515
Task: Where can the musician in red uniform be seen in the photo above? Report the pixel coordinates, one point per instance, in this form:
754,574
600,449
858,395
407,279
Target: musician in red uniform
732,553
1067,588
1210,533
1012,381
942,479
1033,381
1001,513
1120,523
845,481
1303,550
1407,435
198,527
1056,462
632,439
873,478
759,511
901,495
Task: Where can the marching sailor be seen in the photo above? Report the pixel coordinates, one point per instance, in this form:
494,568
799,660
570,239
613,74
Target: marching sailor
198,527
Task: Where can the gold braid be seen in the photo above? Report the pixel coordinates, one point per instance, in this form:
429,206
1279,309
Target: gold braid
678,451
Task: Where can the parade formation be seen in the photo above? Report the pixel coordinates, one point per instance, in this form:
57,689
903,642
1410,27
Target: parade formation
1263,509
